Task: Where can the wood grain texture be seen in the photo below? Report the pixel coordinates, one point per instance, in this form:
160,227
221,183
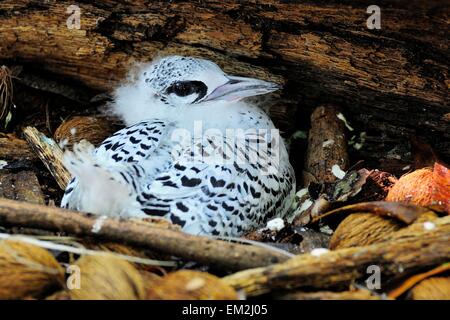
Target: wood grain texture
21,186
327,146
391,82
13,148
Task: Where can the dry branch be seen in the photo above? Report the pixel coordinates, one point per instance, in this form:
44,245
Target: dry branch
327,146
221,254
398,257
50,154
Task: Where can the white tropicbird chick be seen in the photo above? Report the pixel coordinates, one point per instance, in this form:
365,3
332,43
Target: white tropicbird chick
194,153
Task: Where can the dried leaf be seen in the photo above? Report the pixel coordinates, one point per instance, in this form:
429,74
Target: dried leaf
349,186
403,212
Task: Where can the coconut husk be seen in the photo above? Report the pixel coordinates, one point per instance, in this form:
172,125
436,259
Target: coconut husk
436,288
361,229
424,187
190,285
414,187
107,278
27,271
60,295
129,251
92,129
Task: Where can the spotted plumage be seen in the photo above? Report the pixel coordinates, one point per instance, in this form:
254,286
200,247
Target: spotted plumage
194,153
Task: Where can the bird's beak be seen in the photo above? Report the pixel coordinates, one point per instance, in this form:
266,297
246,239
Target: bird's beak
239,87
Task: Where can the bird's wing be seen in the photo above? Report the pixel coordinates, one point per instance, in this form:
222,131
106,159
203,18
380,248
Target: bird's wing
209,196
122,158
132,144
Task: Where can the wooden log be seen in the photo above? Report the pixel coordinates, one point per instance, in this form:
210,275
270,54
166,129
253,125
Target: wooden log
22,186
50,154
13,148
327,146
222,254
398,257
391,82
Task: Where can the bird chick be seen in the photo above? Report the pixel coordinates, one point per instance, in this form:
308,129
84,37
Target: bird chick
194,152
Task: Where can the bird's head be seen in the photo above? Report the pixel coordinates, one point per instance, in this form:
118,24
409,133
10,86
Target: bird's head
175,84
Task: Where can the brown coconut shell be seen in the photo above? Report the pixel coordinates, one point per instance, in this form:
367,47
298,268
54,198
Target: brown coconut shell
92,129
107,278
27,271
190,285
436,288
360,229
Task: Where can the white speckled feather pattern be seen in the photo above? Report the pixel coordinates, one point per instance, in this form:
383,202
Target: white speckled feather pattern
144,170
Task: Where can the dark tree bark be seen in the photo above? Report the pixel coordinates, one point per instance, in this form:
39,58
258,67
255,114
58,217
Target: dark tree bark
390,83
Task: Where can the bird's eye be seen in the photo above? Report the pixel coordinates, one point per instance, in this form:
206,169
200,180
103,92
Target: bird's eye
181,88
186,88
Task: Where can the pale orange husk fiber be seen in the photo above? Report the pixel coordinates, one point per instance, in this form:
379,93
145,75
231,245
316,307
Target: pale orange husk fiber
415,188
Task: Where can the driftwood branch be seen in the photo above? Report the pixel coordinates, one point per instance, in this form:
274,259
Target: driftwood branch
221,254
327,146
50,154
398,257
